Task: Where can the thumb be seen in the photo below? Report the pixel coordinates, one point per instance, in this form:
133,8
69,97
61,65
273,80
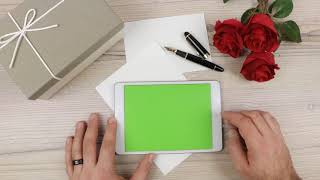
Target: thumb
236,151
143,168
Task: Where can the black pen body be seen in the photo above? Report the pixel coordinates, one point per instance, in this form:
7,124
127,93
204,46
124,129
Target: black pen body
197,45
199,60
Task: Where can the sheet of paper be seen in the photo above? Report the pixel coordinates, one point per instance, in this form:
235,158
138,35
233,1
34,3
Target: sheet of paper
167,162
168,31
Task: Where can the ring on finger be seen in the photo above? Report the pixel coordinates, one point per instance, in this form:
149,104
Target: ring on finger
77,162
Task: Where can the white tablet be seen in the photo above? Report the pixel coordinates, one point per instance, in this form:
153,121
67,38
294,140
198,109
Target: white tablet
168,117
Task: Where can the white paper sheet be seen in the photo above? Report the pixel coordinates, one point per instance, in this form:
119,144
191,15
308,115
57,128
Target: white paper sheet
168,31
167,162
146,61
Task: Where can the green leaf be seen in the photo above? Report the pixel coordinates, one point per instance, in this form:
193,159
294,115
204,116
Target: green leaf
247,15
281,8
278,27
290,32
225,1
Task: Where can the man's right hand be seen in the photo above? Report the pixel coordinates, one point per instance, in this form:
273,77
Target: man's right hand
257,147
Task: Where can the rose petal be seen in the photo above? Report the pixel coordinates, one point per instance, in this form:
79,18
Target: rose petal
260,34
264,20
227,38
259,67
233,22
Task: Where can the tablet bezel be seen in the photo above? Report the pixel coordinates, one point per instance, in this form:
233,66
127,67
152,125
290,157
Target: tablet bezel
215,109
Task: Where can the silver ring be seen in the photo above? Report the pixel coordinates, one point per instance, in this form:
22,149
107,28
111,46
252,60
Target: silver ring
77,162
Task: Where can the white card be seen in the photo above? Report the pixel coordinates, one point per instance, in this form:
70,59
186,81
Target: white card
167,162
168,31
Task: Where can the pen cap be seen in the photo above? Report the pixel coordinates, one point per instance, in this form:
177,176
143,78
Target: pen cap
196,45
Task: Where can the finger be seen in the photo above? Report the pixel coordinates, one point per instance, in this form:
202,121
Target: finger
272,122
246,128
236,151
90,141
143,168
77,145
107,151
68,156
258,121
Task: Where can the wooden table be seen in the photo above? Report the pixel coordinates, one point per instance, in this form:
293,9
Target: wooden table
32,133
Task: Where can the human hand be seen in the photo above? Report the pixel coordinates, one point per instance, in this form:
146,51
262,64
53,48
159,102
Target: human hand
98,167
257,147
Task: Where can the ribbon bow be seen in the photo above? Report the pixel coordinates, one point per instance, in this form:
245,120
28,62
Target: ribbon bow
29,21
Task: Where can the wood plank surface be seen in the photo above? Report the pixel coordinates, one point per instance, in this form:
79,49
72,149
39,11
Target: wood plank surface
32,133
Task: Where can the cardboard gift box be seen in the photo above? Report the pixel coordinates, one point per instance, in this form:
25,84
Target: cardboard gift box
46,43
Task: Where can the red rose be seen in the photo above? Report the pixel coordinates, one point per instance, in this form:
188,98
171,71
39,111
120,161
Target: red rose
259,67
227,38
260,34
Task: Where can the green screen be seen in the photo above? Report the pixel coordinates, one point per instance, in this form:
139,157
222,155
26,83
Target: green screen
167,117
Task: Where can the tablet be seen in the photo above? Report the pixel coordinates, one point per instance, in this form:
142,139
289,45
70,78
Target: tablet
168,117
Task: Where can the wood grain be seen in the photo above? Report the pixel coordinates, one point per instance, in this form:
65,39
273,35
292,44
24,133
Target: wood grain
32,133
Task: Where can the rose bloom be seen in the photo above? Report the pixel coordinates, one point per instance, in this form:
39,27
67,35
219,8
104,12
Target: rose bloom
227,38
260,34
259,67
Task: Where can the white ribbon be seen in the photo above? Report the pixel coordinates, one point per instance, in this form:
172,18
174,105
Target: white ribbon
22,33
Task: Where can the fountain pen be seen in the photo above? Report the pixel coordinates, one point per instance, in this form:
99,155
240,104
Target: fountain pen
195,59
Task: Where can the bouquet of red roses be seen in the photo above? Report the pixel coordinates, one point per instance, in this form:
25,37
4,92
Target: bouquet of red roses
260,32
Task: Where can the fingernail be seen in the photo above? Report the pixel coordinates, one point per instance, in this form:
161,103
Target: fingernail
94,115
69,140
231,133
80,124
151,157
112,120
226,126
